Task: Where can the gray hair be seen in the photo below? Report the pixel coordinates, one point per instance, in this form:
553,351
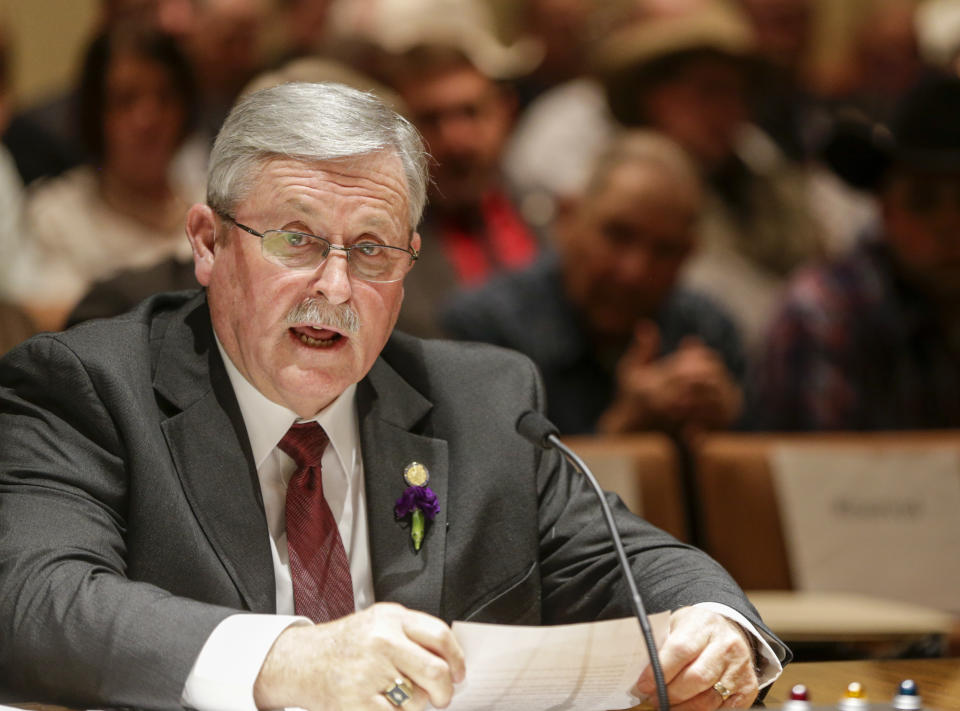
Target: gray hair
310,122
652,149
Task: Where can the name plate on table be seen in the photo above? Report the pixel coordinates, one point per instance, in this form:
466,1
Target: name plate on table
882,522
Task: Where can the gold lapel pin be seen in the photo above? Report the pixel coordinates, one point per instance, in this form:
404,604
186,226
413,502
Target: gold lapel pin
416,474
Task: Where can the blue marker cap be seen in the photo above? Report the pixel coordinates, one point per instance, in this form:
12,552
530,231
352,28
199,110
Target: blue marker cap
908,687
908,697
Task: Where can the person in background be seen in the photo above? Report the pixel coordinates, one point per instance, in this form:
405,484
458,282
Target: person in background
176,18
620,345
872,341
122,291
687,71
885,60
471,229
45,139
784,105
125,210
563,28
200,498
304,29
225,47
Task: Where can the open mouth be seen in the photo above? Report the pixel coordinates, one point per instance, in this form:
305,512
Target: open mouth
316,337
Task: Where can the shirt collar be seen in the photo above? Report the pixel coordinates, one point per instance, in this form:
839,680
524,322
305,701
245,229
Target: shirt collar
267,421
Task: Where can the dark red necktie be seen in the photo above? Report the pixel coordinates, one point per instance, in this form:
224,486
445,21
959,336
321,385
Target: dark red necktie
322,589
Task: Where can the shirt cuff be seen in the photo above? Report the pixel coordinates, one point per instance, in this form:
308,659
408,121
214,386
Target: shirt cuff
768,665
226,669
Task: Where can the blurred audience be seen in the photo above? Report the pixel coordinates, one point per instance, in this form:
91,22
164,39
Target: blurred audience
563,28
886,59
121,292
938,34
45,139
176,18
226,48
136,99
686,69
873,341
784,107
620,345
689,74
471,229
304,28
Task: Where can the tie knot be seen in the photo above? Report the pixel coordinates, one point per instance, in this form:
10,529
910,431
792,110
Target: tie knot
304,444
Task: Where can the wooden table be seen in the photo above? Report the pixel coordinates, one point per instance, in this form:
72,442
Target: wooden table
937,679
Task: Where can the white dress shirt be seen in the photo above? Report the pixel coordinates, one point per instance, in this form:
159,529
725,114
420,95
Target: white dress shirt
226,669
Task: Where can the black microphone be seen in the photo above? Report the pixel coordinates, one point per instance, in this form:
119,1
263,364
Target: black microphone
540,431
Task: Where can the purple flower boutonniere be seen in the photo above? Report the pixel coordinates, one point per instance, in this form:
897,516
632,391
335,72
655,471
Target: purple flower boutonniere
418,501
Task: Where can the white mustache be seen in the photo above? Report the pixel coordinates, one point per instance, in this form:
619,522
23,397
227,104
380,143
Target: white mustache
317,312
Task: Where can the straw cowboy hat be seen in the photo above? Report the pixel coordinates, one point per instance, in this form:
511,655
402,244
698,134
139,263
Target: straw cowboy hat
627,61
467,25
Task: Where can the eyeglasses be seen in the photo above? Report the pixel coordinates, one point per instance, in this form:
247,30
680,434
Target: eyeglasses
369,261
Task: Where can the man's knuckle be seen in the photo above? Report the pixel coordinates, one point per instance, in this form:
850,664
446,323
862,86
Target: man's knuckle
705,677
380,642
735,647
686,649
436,672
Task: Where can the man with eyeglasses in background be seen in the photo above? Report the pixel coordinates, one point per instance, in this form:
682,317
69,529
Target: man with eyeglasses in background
622,347
203,500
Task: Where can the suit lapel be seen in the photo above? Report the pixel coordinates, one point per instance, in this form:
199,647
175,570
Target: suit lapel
211,451
388,409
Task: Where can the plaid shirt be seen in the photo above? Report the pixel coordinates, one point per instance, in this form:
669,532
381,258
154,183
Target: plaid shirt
854,347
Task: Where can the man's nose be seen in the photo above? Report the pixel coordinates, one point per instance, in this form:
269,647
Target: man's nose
457,133
332,278
633,266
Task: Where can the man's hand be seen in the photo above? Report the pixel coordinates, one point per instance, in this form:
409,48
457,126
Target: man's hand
689,390
702,649
350,662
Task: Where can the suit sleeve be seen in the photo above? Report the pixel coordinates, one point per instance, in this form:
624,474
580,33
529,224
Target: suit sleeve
581,578
73,628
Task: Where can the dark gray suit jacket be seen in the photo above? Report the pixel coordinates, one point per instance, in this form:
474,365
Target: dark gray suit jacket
131,521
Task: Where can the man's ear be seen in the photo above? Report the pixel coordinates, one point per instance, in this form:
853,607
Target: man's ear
202,226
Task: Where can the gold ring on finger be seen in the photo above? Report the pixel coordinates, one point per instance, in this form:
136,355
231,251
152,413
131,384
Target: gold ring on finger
722,690
399,693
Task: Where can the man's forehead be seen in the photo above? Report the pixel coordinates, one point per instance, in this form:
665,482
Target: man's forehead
384,160
380,168
287,182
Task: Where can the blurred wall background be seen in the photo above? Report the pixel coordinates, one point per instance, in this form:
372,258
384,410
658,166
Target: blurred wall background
46,38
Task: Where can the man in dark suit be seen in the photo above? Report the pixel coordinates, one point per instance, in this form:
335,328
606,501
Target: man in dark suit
154,467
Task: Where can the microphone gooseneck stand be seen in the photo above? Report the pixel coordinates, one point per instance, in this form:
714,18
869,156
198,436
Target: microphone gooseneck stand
540,431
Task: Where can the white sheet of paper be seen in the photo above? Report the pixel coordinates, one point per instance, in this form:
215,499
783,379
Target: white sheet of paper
582,667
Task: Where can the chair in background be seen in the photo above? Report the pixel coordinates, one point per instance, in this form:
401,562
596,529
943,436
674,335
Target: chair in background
644,470
743,527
